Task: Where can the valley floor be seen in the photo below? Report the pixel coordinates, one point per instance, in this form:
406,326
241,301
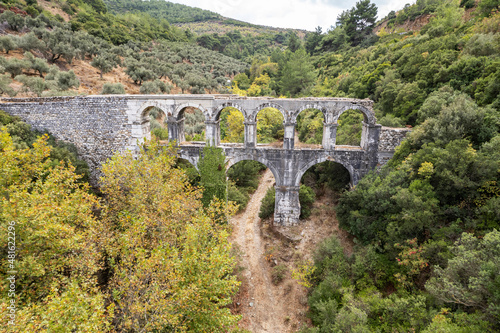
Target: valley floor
269,301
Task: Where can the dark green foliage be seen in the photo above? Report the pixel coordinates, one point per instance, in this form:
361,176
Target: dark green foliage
267,204
245,174
293,42
298,74
471,280
213,175
239,196
330,174
244,179
159,9
358,22
113,88
7,44
306,199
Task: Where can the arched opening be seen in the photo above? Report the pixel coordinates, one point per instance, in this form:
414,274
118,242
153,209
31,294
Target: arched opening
350,128
232,127
157,123
327,180
270,127
194,124
309,129
243,179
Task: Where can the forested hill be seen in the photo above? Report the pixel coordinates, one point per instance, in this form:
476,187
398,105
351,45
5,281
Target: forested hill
160,9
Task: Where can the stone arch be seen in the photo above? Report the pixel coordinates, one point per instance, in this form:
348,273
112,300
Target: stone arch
368,115
144,110
179,108
221,107
320,135
276,136
232,161
193,160
144,121
322,159
270,105
309,106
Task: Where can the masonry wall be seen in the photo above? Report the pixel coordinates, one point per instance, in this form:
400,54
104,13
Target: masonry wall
389,139
97,126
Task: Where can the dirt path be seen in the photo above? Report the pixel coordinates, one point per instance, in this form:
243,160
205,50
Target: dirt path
261,310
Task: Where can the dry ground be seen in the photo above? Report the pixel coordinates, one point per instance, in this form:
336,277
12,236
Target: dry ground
278,305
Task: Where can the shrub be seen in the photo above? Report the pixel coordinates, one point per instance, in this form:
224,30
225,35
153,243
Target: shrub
267,204
113,88
160,133
278,273
34,84
67,80
7,44
306,198
149,87
239,196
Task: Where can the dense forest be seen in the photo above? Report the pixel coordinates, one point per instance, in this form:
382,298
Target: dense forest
426,226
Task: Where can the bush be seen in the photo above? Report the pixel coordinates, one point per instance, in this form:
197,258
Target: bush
239,196
149,87
306,198
7,44
66,80
113,88
160,133
278,273
246,174
267,204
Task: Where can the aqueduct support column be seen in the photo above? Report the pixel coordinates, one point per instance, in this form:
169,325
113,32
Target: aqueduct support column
329,135
370,137
175,130
250,134
289,137
212,132
286,205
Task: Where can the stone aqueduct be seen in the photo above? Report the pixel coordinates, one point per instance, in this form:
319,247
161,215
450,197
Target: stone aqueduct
101,125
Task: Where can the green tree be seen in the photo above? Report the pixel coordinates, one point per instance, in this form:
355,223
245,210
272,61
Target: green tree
170,263
359,21
298,74
113,88
293,42
105,62
212,167
7,44
471,278
313,40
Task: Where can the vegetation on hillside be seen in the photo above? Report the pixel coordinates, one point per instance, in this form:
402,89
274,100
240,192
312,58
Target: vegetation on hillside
435,206
160,9
143,257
